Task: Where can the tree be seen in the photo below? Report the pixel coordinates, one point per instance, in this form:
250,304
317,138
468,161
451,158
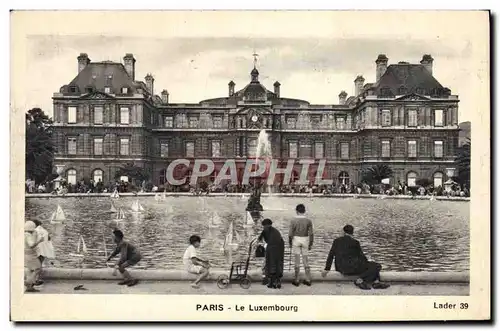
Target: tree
40,147
463,162
132,171
375,173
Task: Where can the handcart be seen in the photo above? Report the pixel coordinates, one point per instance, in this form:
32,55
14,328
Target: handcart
238,272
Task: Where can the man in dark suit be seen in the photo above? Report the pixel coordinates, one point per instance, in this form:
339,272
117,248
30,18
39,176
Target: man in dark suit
350,260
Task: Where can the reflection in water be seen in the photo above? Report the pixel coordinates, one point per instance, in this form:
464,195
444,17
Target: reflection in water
402,235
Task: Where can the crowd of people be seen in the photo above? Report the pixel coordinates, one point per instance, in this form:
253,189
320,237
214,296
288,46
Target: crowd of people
401,188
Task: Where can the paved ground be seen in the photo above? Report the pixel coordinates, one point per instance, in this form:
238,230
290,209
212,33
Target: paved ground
179,287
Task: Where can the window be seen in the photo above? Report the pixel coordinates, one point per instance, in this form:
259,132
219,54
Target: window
340,123
344,150
412,117
438,148
72,145
252,147
193,122
124,115
438,179
163,149
71,174
72,89
98,115
124,179
412,148
291,122
292,149
438,117
71,114
305,150
315,120
181,121
411,179
152,118
169,122
217,121
344,178
386,148
319,150
215,148
190,149
97,146
124,90
163,176
124,146
386,117
97,175
107,90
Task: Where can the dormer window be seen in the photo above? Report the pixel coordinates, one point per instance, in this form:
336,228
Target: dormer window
72,89
89,89
124,90
385,92
107,90
402,90
420,91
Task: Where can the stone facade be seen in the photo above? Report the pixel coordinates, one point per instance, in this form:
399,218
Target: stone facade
406,120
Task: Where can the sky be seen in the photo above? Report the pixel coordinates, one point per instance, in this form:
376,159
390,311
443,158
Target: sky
196,66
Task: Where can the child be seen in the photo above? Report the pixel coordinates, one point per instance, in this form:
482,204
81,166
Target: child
32,264
45,249
129,256
194,264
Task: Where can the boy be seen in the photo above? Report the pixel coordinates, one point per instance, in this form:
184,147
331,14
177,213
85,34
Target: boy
301,238
129,256
193,264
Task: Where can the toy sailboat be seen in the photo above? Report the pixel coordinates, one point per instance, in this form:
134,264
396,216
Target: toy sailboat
215,220
249,222
115,194
158,197
228,241
81,248
432,198
120,215
113,208
137,207
57,216
163,196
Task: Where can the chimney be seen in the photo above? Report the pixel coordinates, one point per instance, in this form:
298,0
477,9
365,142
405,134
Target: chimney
150,83
164,96
381,65
427,62
342,97
83,61
358,85
231,88
129,62
277,88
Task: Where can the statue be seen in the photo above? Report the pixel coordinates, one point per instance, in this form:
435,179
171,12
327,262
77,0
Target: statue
254,206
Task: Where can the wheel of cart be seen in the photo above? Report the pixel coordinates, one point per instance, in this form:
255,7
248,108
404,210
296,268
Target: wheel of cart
245,283
223,281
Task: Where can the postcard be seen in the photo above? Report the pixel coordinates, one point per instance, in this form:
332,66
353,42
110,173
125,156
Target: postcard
250,165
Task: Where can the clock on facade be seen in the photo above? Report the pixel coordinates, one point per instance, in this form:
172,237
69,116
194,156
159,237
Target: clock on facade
254,118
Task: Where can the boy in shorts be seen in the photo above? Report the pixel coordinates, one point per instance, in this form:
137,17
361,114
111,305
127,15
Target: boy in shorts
193,264
129,256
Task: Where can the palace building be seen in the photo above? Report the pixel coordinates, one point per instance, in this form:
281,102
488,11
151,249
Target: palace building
406,119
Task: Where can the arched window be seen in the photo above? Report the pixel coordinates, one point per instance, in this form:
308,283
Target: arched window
295,177
97,175
344,178
71,176
411,179
163,177
124,179
438,179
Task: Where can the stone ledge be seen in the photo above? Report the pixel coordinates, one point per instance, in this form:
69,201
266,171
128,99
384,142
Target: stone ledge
180,275
247,195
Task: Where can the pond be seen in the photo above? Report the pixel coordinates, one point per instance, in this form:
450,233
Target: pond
402,235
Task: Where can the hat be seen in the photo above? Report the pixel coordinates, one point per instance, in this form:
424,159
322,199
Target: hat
29,226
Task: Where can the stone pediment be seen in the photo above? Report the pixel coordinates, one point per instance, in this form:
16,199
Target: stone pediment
413,97
96,95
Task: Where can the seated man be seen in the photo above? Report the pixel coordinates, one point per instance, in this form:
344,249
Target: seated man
350,260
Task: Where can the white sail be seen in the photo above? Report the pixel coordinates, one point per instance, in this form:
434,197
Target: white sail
157,197
112,209
238,238
136,206
115,194
141,208
84,246
163,196
58,216
249,219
